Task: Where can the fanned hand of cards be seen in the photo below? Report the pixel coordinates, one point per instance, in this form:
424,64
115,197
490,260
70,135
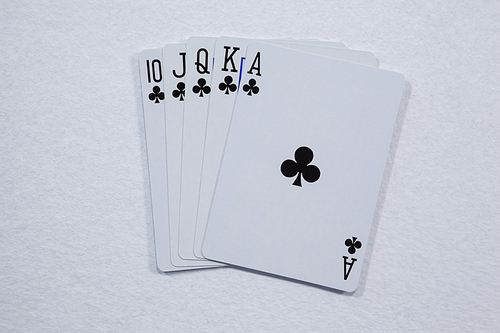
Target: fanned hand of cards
266,154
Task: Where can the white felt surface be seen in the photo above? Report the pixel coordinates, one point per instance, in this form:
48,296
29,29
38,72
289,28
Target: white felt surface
76,238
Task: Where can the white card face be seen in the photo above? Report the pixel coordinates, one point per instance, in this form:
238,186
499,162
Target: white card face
358,57
153,99
198,73
303,165
226,73
282,42
174,65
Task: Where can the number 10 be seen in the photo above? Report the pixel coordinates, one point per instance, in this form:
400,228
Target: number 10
156,69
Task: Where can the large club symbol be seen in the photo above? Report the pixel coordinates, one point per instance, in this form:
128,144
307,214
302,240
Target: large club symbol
156,95
300,167
227,85
201,87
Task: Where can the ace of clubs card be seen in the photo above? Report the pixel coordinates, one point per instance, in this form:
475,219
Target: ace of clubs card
303,165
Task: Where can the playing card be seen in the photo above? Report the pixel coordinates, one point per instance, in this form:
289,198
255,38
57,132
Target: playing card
153,97
199,54
228,56
302,41
174,66
303,165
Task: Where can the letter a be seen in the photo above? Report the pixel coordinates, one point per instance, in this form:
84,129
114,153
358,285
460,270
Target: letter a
255,62
350,264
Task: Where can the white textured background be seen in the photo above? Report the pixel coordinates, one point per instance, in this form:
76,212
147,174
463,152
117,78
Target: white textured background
76,240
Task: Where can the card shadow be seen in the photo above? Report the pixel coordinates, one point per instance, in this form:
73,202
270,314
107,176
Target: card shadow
383,188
